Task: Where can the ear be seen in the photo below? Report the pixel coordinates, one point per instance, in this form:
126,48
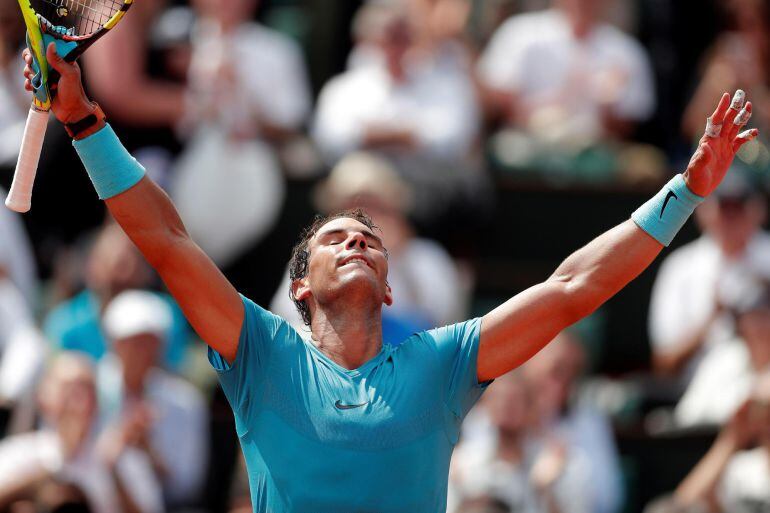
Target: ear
300,289
388,295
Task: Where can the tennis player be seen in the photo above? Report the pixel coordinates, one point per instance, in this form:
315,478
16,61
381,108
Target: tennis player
345,423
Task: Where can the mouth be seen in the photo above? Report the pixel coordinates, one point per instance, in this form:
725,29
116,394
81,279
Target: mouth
356,258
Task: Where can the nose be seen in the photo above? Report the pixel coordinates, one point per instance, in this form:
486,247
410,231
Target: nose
356,239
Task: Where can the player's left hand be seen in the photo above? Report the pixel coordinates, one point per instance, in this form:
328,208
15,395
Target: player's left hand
720,143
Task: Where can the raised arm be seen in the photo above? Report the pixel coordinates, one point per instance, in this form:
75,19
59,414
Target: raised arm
147,215
516,330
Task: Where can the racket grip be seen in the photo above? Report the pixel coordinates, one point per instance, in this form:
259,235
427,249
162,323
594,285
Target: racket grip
20,196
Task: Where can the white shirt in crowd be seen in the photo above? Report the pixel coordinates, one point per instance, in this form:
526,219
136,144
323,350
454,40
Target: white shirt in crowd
424,281
745,486
536,57
179,432
16,256
26,455
437,102
689,282
22,347
721,384
274,83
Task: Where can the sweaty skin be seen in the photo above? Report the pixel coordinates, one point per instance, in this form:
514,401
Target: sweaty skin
346,297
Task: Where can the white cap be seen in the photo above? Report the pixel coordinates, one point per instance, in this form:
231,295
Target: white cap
136,312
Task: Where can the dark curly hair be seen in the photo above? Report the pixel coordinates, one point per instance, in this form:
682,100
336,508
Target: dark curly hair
300,255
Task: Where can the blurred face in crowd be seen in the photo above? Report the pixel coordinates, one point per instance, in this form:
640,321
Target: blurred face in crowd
554,371
138,354
115,264
69,391
754,328
508,403
748,14
395,41
347,260
583,14
229,13
732,221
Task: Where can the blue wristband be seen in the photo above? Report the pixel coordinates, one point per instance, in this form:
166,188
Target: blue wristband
111,168
665,214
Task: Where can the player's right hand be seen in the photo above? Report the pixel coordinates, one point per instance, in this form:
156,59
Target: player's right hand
70,102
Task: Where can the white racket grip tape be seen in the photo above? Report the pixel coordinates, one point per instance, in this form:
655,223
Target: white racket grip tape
20,196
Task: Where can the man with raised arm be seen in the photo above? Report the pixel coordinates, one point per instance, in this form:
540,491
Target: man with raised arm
344,423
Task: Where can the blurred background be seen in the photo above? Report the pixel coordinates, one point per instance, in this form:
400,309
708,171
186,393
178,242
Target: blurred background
488,139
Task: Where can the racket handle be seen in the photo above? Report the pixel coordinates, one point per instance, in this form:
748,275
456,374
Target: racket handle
20,196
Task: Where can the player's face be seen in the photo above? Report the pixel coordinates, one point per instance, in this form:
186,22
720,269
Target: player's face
346,258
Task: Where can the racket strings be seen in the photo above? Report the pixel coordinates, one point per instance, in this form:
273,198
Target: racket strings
83,17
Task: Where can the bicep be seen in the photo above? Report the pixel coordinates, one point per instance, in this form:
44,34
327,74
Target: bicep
516,330
209,301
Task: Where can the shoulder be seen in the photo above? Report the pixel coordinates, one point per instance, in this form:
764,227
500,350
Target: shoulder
451,338
621,43
530,24
352,79
270,41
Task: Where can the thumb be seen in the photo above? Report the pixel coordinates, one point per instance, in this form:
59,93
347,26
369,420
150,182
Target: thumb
56,62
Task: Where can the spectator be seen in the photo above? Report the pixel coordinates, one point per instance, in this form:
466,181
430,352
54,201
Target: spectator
427,290
526,474
169,413
567,80
120,63
403,104
554,373
248,95
114,265
17,261
22,355
698,281
726,376
114,477
740,57
734,475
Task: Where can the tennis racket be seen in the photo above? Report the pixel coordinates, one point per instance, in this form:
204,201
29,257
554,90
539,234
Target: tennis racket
73,25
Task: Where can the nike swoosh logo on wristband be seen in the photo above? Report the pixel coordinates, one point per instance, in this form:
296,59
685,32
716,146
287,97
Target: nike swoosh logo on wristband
670,195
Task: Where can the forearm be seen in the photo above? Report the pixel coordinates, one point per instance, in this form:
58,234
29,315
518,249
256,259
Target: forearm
700,484
150,219
596,272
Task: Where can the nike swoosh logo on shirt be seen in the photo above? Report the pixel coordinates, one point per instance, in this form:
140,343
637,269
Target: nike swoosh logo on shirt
670,195
341,406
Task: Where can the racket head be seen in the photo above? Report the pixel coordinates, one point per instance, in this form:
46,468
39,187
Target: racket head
76,24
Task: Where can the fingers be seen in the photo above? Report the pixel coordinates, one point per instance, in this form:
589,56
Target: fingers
736,105
719,114
743,138
64,68
741,119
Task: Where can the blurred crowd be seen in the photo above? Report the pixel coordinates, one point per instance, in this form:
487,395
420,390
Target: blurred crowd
434,116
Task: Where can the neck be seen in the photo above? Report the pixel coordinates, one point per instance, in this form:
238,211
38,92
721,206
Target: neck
348,334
